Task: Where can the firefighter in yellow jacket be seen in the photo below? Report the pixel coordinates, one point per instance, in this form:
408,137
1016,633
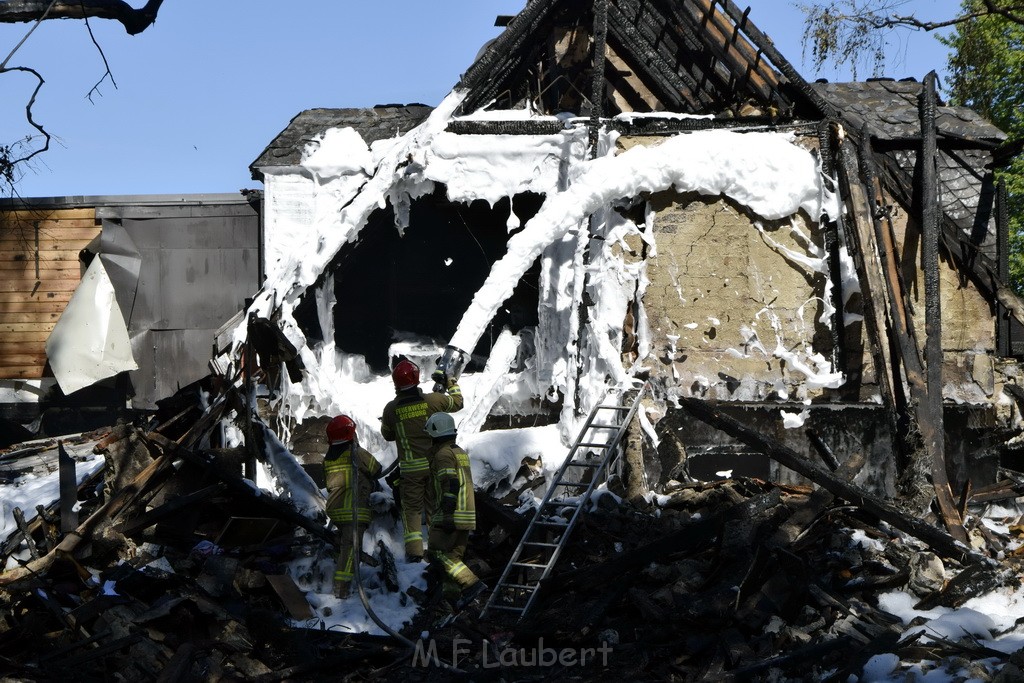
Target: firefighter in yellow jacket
402,422
346,459
454,511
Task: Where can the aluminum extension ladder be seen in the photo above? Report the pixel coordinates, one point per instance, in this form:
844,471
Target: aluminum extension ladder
591,458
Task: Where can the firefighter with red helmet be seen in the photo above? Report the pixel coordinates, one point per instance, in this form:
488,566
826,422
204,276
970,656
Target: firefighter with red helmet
345,460
402,422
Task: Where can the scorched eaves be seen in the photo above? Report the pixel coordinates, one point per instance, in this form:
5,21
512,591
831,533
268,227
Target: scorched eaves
372,123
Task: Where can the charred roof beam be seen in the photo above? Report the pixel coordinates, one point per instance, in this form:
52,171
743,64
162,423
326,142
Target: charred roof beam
743,62
651,31
765,44
480,77
677,90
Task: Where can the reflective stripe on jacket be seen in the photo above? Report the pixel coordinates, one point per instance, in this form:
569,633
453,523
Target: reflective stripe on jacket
403,421
450,462
338,472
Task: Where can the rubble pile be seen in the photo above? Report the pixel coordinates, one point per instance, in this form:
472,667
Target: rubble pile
178,568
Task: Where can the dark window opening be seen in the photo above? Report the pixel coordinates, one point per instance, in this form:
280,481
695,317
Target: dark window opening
423,281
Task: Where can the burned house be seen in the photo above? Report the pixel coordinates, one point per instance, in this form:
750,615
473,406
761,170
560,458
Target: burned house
650,191
632,216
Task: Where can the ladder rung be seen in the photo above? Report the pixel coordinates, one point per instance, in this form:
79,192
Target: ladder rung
529,564
614,407
604,426
583,464
544,545
593,445
530,586
560,525
506,608
563,482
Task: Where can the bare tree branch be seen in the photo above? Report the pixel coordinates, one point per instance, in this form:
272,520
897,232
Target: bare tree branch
106,64
134,20
7,162
840,31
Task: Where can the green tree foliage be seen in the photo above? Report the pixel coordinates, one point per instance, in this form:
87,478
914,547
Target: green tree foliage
986,66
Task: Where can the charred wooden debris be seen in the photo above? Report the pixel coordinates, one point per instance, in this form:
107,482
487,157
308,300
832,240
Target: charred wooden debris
166,563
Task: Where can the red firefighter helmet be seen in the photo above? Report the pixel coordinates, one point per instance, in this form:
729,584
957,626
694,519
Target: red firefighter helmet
406,374
341,429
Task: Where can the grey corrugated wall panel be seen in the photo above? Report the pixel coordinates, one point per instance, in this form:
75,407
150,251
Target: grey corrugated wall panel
192,288
199,264
168,360
192,232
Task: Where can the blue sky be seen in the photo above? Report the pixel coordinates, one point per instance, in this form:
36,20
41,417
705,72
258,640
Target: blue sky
202,92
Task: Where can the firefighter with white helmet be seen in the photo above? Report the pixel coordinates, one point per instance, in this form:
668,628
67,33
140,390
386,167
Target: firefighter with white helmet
402,422
454,511
345,460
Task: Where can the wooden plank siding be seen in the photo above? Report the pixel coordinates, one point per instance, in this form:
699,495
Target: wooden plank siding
39,270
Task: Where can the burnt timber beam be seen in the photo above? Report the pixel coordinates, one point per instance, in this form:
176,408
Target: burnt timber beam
511,39
597,82
977,265
68,486
835,270
933,430
938,539
765,45
914,478
680,88
1003,266
859,240
681,50
723,42
638,127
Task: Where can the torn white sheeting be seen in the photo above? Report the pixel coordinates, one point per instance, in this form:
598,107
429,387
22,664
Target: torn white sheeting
90,340
765,171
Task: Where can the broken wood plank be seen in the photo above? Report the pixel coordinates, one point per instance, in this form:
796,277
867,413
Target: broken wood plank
791,529
19,520
68,490
293,599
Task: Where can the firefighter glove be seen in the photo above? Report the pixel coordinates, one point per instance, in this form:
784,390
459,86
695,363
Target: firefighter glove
440,377
448,504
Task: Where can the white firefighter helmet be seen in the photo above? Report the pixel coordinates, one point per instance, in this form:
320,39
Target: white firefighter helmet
440,424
